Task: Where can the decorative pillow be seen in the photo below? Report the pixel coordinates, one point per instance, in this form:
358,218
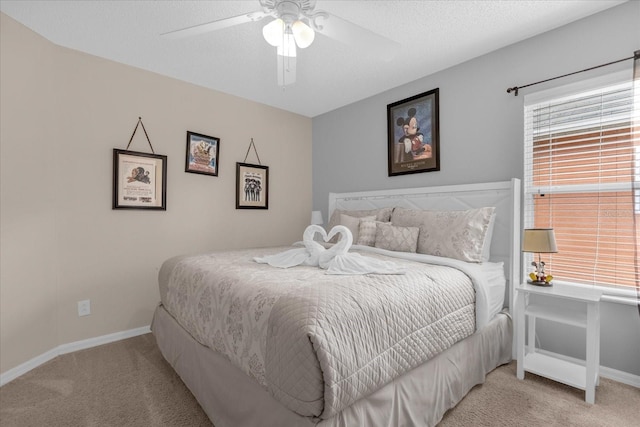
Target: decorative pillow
382,214
486,249
367,233
462,235
353,223
393,238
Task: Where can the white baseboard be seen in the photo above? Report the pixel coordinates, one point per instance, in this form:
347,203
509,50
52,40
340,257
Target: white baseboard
610,373
11,374
620,376
22,369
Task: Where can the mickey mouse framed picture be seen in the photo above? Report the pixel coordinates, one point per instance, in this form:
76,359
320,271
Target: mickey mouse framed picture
414,134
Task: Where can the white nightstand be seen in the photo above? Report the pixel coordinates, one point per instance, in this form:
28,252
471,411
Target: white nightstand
581,376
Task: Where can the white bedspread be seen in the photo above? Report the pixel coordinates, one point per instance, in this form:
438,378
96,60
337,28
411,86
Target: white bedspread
318,342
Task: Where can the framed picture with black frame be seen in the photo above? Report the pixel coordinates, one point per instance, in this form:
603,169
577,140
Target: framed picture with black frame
252,186
414,134
203,153
139,180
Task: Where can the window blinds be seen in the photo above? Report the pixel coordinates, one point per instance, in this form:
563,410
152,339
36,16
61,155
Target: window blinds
582,158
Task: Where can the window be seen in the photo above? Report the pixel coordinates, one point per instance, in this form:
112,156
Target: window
582,169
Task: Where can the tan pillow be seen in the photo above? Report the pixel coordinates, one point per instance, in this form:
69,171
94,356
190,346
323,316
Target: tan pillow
367,233
462,235
353,223
382,214
394,238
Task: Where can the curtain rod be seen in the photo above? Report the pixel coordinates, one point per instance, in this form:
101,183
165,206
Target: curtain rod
515,89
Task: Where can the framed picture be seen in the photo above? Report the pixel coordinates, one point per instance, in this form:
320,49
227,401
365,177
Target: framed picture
202,154
139,180
252,186
414,134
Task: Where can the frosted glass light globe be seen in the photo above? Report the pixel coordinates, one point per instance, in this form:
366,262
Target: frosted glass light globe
303,34
273,32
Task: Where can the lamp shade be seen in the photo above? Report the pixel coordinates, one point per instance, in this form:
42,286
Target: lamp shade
539,240
316,218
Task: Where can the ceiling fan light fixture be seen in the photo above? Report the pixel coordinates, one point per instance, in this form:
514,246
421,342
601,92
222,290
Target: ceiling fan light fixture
303,34
273,32
287,46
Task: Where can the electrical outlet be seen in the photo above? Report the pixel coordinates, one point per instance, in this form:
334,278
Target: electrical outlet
84,308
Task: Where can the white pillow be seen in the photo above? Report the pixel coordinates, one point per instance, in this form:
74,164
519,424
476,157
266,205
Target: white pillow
462,235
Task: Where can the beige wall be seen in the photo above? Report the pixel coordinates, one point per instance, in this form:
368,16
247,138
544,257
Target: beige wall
62,114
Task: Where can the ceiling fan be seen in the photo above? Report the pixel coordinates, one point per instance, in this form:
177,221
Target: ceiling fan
294,25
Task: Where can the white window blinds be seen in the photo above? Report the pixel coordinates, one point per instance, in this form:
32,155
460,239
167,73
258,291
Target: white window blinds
582,158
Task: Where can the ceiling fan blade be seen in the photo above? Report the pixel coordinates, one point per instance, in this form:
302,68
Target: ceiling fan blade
215,25
352,34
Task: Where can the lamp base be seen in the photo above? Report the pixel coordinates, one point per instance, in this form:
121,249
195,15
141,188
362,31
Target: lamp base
539,283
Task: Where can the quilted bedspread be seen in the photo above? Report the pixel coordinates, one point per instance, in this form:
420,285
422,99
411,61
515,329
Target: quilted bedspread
318,342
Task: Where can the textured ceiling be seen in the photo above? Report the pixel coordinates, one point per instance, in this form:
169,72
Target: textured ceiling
431,36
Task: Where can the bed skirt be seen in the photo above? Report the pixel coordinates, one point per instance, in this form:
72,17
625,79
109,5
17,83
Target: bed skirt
420,397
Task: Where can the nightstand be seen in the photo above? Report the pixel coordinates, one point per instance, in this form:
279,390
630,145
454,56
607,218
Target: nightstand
586,376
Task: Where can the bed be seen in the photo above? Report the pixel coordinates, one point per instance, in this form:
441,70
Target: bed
267,346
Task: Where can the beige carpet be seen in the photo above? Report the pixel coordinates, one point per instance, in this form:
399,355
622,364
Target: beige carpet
128,383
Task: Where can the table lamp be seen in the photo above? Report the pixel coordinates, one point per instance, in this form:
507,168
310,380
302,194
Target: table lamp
316,218
540,241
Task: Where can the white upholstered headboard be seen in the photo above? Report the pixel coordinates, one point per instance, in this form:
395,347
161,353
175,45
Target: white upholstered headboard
504,196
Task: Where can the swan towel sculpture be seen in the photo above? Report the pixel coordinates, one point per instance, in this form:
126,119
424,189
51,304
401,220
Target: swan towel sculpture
336,259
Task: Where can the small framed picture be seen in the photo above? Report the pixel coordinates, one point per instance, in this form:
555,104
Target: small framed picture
414,134
202,154
139,180
252,186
